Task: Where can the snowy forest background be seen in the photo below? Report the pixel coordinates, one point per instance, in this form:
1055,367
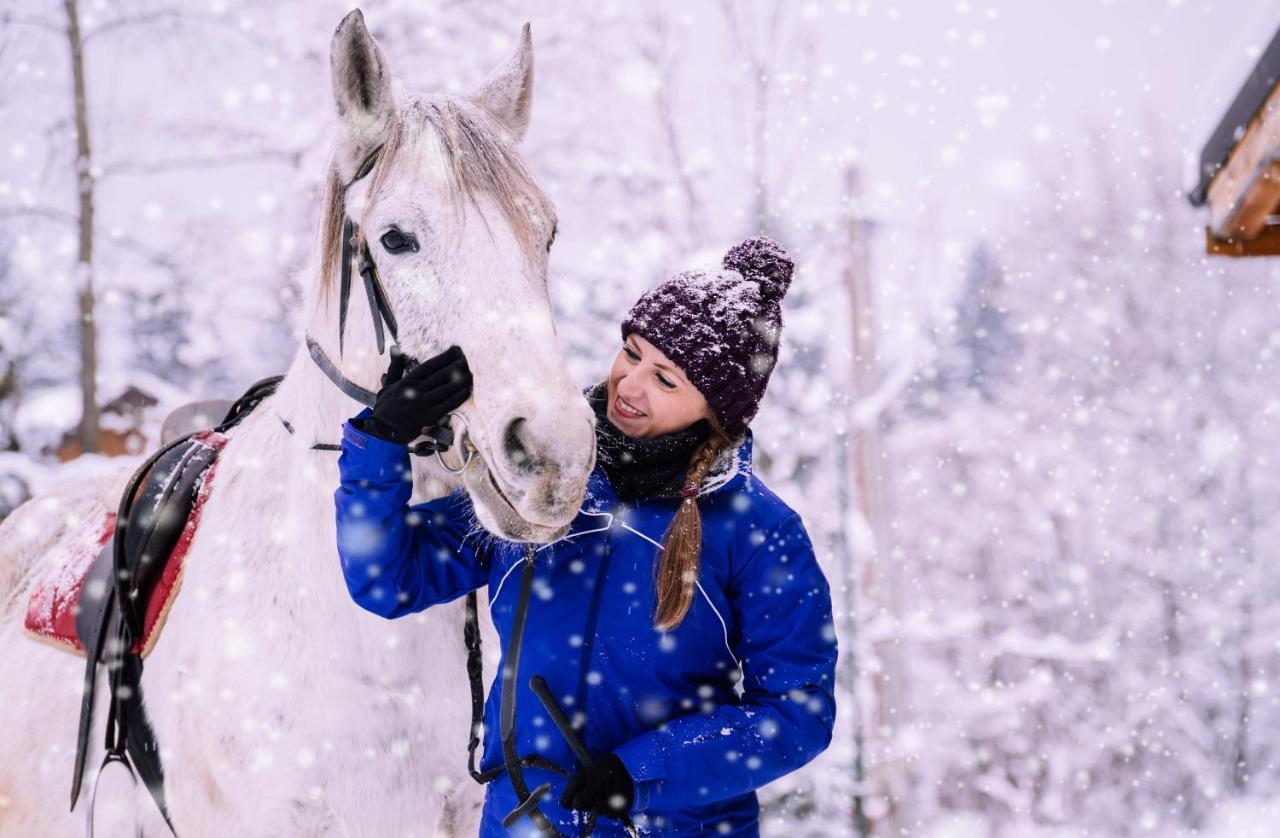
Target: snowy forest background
1035,450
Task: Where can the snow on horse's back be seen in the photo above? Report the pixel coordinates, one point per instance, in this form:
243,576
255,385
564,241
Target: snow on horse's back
280,707
35,528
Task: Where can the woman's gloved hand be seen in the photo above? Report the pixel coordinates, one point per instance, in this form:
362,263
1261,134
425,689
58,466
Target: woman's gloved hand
415,399
605,787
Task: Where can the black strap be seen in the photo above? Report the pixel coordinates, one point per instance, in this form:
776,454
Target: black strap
129,737
354,247
94,642
244,405
528,806
344,286
438,438
379,307
140,738
355,391
475,676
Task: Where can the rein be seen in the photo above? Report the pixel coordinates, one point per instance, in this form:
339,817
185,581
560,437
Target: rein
355,252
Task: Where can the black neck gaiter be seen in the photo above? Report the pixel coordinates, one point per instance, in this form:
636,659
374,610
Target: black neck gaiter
637,467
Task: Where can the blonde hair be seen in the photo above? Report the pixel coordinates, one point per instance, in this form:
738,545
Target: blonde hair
677,574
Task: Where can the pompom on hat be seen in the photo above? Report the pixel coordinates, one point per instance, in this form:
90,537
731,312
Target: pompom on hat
722,328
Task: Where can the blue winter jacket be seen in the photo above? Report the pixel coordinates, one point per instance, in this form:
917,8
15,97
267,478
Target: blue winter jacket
697,738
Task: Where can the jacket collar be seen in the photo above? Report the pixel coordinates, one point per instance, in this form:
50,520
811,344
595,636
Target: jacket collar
733,460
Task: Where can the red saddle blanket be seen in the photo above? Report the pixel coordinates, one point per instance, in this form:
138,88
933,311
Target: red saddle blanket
51,610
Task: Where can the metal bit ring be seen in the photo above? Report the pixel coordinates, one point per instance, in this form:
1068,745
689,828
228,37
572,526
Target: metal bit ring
465,441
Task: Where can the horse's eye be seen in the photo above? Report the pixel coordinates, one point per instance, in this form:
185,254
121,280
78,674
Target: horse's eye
396,241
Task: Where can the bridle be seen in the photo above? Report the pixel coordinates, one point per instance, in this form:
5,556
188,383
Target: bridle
356,249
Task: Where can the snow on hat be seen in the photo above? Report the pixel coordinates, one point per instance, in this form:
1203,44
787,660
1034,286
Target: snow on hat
721,327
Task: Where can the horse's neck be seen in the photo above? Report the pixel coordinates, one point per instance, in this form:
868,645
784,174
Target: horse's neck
312,404
275,442
272,447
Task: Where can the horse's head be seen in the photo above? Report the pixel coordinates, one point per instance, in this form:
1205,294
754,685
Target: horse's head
460,235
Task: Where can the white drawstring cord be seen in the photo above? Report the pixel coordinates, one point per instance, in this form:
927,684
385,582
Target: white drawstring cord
723,626
566,537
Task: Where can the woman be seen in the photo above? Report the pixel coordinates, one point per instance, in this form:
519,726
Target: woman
683,621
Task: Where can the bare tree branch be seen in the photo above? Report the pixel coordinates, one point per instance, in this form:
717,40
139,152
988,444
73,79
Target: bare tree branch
154,167
148,254
7,18
50,213
657,53
124,242
178,18
138,19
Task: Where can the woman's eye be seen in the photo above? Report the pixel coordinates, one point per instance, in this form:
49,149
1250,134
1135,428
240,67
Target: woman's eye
633,356
665,383
396,241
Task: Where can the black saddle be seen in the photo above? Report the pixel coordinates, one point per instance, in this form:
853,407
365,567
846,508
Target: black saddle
120,582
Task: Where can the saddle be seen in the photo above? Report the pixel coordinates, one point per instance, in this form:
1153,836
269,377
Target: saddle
66,606
119,602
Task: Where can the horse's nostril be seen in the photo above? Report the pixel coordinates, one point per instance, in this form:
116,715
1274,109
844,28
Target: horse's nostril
514,447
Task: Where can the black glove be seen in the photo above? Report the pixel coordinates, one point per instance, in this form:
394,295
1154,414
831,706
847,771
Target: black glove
413,400
604,788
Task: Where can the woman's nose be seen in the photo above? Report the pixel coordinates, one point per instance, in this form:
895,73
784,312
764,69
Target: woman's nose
625,388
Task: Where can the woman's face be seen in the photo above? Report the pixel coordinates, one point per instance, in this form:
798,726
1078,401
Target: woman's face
645,380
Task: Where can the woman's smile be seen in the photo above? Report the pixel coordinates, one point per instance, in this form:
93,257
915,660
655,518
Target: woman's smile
626,410
662,399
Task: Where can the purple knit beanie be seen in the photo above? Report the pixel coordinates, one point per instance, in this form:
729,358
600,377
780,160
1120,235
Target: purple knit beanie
721,327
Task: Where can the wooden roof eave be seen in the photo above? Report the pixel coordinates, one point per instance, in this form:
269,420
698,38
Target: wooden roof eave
1245,192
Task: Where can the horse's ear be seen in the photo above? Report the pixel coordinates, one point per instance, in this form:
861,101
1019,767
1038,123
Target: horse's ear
507,92
361,82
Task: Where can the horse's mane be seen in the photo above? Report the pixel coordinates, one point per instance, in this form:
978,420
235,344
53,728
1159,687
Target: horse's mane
480,162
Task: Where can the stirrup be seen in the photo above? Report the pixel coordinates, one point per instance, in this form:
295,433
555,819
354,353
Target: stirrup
112,756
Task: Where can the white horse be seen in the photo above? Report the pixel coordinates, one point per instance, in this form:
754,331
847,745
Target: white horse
281,707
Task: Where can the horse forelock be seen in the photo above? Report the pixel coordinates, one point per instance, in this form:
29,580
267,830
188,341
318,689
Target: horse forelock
478,160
